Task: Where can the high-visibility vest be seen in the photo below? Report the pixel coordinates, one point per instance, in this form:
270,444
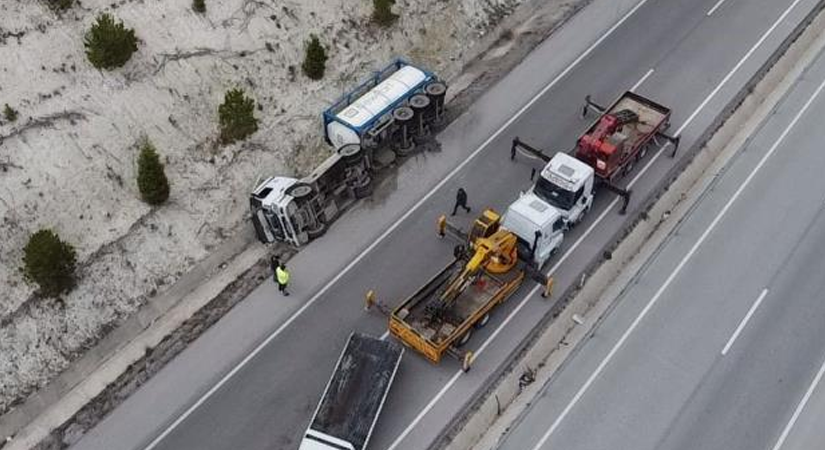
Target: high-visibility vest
282,275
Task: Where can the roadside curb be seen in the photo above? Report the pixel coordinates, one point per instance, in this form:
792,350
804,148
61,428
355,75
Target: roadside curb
484,421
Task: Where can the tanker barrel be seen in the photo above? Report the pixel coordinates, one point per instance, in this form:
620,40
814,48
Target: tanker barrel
421,107
403,116
437,92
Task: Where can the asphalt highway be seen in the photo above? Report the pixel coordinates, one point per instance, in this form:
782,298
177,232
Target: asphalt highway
253,380
719,342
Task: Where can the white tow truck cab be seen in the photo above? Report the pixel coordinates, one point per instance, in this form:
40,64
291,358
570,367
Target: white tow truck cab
566,184
538,226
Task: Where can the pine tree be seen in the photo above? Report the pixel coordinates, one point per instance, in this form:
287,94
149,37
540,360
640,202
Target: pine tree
59,5
199,6
315,59
50,263
236,116
151,179
382,12
109,44
9,113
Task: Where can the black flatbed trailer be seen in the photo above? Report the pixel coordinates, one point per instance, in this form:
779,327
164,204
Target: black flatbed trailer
354,396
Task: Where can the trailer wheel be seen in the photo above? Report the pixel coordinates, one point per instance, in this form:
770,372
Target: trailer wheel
642,152
463,340
628,168
482,322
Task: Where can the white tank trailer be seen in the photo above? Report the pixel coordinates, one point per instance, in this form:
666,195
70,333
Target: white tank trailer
391,111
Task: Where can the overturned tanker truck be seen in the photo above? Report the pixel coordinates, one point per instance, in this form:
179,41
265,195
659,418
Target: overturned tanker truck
388,114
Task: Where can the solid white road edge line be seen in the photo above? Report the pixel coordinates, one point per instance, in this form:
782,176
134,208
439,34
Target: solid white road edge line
512,314
389,230
799,408
715,7
744,321
675,272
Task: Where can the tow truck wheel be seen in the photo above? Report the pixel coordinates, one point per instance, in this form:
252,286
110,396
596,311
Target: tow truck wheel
483,321
583,214
462,341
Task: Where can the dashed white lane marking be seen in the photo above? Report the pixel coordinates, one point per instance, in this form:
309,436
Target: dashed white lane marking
744,321
675,272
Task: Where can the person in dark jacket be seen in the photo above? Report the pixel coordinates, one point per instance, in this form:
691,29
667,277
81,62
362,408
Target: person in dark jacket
460,201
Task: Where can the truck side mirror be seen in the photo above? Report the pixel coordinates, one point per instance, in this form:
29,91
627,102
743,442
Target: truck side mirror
535,244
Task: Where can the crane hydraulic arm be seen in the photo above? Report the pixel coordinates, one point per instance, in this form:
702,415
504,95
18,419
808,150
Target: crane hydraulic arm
495,254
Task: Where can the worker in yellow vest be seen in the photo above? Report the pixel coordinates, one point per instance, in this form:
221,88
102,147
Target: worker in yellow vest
282,277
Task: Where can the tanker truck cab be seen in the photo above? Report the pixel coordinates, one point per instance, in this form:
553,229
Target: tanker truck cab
538,226
274,210
566,184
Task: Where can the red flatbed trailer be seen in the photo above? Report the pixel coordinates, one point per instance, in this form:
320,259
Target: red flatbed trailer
618,139
621,134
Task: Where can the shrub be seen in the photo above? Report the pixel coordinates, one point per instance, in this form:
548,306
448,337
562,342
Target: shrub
151,179
50,263
9,113
59,5
382,12
315,60
199,6
109,44
236,116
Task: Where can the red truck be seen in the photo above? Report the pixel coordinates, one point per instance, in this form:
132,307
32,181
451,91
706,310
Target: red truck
604,153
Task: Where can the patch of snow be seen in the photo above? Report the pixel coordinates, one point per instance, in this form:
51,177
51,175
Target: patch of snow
69,161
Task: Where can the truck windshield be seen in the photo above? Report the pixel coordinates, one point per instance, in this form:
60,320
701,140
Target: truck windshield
554,194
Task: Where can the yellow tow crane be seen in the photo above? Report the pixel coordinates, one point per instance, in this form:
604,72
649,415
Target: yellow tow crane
439,317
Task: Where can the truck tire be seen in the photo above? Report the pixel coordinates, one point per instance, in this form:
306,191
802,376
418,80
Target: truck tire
642,152
463,340
583,214
351,154
365,190
484,320
628,167
299,190
317,231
